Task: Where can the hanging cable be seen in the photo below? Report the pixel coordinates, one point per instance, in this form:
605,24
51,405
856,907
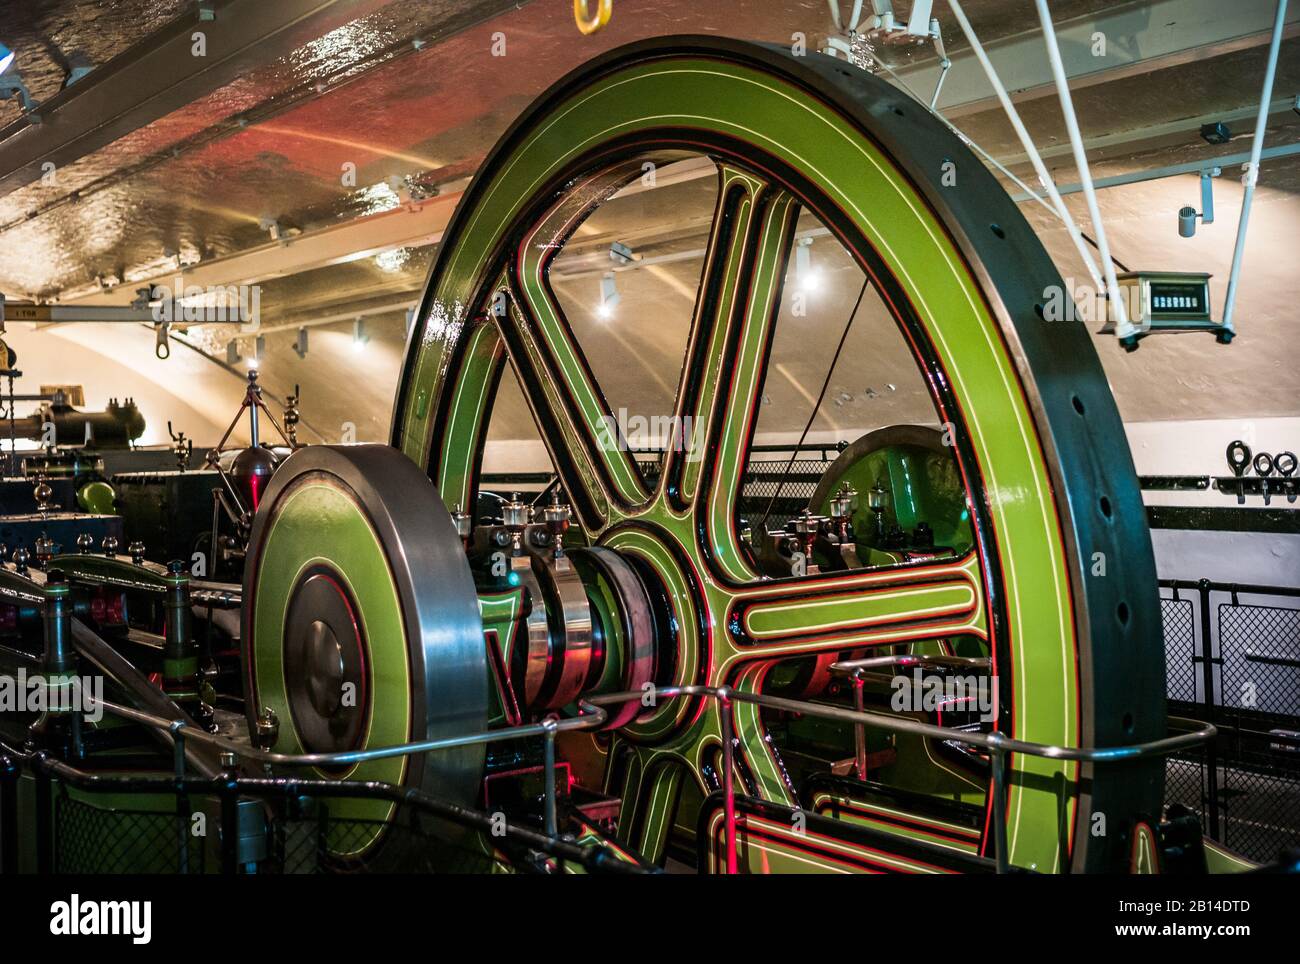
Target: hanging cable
816,406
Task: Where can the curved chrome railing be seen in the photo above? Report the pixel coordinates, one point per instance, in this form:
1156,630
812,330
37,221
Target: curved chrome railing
592,715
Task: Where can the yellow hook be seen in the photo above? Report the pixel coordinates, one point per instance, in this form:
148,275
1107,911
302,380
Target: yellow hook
585,21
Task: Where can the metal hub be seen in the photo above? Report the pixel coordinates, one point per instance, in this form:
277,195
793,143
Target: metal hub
325,665
361,630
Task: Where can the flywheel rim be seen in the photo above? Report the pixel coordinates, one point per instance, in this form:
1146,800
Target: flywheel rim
1054,391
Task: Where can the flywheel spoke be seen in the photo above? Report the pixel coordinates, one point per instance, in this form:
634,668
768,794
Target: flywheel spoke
750,242
876,608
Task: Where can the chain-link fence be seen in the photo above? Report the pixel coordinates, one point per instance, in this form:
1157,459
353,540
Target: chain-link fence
80,822
1260,649
767,482
93,839
772,486
1233,659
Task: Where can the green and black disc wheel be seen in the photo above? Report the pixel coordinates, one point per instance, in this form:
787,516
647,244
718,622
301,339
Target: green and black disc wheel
361,630
1060,582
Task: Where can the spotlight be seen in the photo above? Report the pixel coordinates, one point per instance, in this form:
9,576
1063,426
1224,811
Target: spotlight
807,277
359,337
1187,214
1216,133
609,296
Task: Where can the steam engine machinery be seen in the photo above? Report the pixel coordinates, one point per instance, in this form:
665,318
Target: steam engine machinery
638,667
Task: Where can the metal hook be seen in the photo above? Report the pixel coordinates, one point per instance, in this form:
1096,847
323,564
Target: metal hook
162,348
589,23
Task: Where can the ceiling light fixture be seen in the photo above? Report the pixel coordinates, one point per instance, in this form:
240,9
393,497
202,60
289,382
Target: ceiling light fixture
609,296
807,277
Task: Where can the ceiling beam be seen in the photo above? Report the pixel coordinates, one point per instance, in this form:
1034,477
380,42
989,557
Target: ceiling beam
1139,37
1134,140
412,224
160,74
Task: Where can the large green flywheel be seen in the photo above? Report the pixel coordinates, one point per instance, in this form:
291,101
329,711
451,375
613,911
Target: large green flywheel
361,630
1059,584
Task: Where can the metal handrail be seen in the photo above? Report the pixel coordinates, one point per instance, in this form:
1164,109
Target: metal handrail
856,669
852,667
592,714
591,719
996,743
227,788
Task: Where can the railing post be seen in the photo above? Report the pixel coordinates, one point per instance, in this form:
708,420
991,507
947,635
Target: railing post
859,728
998,764
44,822
1207,675
549,738
8,816
182,806
728,777
229,794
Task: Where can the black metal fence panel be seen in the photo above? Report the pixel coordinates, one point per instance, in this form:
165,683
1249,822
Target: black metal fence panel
1233,659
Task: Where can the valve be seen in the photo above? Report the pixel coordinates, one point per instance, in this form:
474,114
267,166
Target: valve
267,730
43,493
291,417
464,523
182,448
807,527
556,516
44,549
514,514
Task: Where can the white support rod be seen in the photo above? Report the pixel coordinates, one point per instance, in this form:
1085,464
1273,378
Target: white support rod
1123,327
1252,167
1027,143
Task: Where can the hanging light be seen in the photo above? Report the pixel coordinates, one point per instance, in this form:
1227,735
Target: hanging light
609,296
359,337
807,277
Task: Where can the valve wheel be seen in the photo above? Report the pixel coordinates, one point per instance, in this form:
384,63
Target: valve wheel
1036,435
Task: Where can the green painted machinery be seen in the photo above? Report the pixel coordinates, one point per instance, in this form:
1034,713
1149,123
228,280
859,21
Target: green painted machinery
378,611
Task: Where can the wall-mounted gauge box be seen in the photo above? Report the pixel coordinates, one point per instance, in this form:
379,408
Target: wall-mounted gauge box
1167,301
